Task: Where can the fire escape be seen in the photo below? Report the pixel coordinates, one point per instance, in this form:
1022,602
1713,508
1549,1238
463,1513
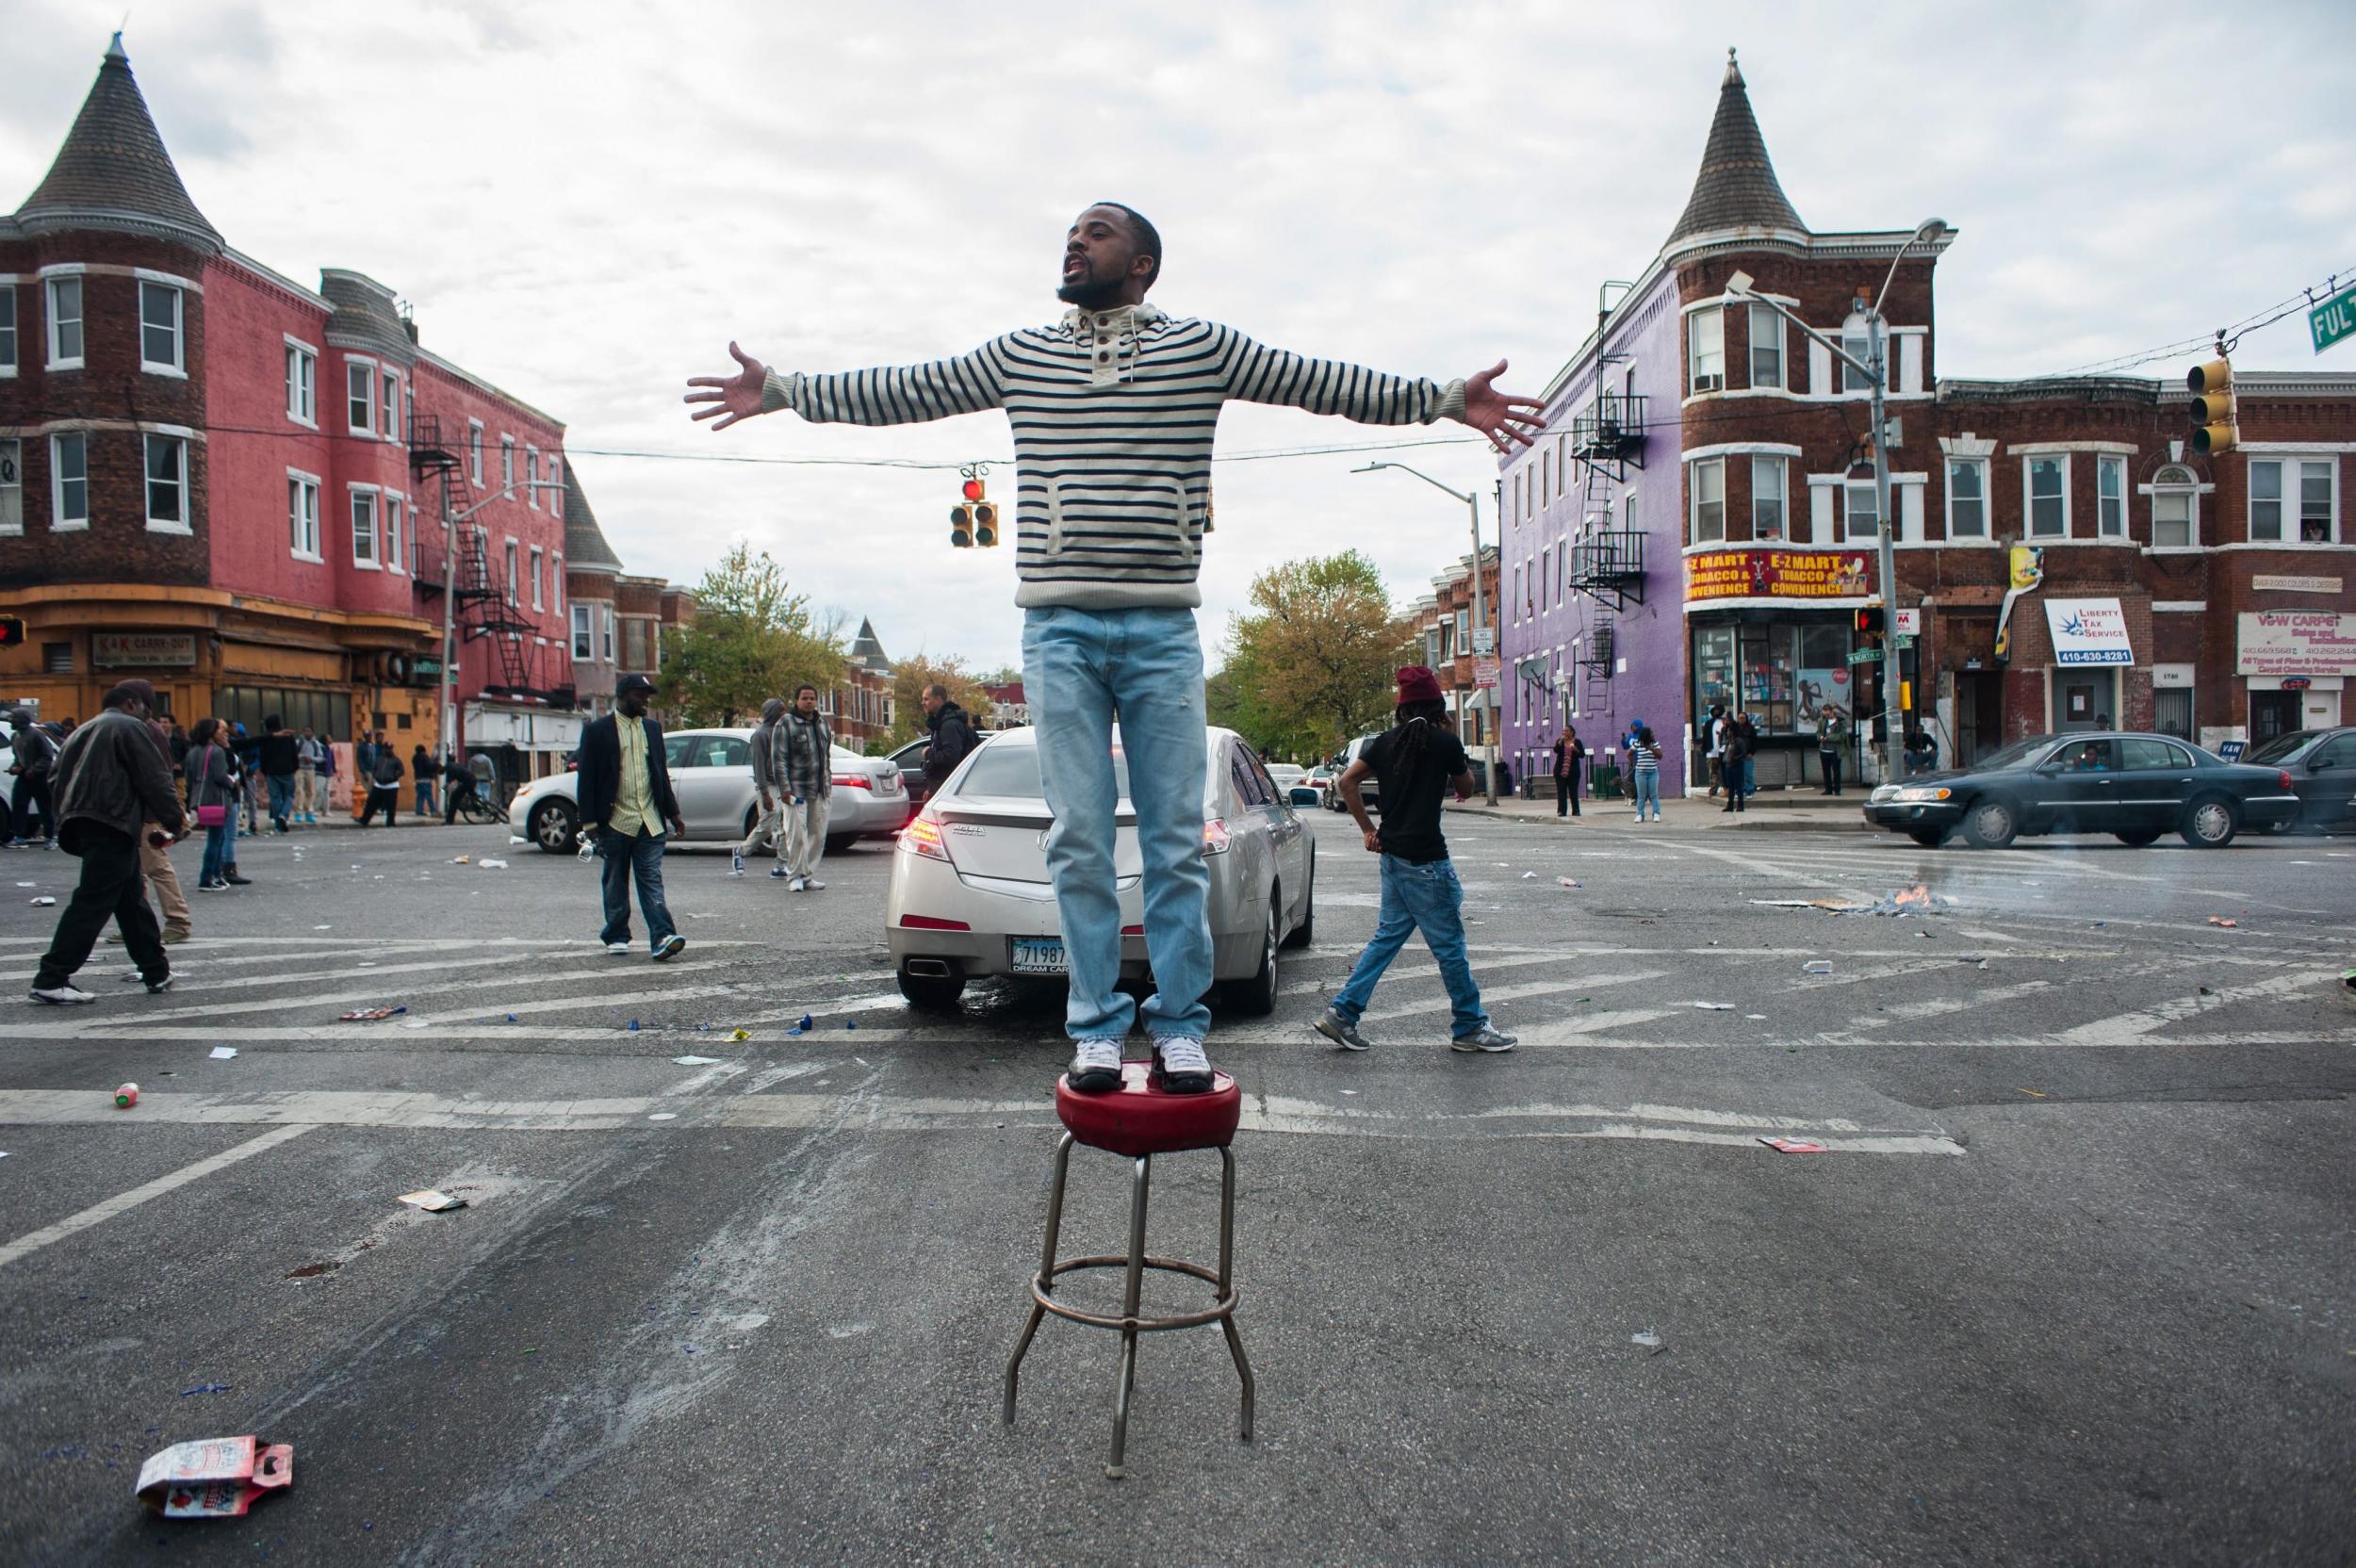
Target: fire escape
1607,563
483,607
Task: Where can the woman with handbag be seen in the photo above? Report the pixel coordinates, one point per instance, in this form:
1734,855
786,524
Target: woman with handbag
212,795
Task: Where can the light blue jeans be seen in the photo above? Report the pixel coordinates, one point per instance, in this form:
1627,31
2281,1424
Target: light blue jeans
1647,792
1429,899
1081,667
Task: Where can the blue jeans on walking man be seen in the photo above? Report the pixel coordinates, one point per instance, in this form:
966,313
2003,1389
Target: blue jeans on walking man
619,860
1082,667
1426,898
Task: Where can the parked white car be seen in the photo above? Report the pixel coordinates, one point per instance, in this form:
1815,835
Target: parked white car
970,894
711,773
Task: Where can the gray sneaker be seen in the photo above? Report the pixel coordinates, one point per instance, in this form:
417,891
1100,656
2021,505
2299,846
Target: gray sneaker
1484,1038
1340,1031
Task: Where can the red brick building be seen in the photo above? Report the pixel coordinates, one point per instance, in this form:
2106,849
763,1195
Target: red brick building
235,487
1441,625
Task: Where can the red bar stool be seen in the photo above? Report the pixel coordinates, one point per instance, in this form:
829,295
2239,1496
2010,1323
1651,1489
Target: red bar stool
1137,1121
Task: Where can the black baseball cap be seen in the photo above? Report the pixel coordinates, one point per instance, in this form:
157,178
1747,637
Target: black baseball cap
630,683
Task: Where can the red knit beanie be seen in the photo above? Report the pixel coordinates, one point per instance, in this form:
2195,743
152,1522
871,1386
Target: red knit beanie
1417,684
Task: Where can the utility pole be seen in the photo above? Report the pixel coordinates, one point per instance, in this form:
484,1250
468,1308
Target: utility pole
1891,745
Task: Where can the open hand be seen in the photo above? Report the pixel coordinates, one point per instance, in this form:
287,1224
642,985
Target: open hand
1494,414
738,397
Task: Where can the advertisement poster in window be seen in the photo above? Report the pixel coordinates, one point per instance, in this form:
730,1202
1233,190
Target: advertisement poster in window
2295,643
1777,574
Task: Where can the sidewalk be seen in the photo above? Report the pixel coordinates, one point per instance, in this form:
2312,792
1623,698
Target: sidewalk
1771,811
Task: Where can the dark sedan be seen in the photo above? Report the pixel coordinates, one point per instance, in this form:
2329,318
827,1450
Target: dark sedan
2322,766
2136,787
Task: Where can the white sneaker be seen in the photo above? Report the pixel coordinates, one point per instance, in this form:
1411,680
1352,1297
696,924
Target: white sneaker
812,883
797,885
62,996
1095,1065
619,950
1185,1069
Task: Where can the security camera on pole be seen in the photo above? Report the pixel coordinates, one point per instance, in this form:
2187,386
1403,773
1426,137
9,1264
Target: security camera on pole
1876,371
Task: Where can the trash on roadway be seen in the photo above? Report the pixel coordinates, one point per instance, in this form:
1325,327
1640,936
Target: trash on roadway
1715,1006
1818,965
696,1061
126,1096
216,1477
371,1014
1796,1146
224,1053
431,1200
44,901
2221,920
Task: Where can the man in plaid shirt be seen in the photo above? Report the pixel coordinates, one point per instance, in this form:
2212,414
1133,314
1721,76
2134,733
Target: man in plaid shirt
802,767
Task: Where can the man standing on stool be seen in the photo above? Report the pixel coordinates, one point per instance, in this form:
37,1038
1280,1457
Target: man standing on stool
1114,408
1418,759
625,791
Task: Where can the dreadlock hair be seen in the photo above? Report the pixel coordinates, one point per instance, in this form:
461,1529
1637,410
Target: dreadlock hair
1411,726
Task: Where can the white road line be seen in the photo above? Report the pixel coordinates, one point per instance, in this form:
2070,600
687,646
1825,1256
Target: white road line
2136,1027
122,1202
188,972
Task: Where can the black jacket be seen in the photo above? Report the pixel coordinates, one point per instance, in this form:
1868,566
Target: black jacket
116,775
952,737
600,775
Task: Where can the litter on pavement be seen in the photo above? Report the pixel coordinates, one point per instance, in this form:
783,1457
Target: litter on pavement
371,1014
805,1022
742,1034
2218,920
1715,1006
216,1477
492,865
1649,1339
126,1096
663,1115
634,1026
1566,881
2033,1094
696,1061
455,860
44,901
224,1053
1818,965
2348,977
1795,1146
28,884
431,1200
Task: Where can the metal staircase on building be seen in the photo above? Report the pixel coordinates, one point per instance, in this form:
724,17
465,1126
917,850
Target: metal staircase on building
480,612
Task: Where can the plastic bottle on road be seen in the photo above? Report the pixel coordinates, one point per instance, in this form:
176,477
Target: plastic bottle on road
126,1096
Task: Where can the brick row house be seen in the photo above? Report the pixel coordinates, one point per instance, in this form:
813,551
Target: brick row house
1699,523
1440,627
235,487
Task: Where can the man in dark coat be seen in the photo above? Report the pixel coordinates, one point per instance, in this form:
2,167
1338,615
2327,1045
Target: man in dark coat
952,737
624,788
113,780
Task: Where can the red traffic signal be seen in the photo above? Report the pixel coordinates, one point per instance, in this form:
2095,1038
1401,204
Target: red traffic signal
973,489
1871,621
12,631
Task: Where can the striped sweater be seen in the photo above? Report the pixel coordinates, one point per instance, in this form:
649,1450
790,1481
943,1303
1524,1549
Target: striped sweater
1113,413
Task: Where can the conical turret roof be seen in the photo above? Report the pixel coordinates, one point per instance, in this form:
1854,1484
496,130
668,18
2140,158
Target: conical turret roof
867,648
585,549
1736,187
112,173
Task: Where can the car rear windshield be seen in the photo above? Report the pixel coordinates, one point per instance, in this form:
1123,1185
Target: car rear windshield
2282,747
1013,771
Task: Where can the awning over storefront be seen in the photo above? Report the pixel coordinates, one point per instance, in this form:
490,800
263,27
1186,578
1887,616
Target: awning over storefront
525,728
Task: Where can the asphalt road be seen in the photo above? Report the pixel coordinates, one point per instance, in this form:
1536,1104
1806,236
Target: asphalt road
2071,1283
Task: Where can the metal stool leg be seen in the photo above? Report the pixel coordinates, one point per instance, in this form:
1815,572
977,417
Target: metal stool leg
1226,1256
1130,1299
1046,1270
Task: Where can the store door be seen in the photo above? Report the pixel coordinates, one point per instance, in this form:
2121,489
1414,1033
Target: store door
2083,700
2271,714
1979,714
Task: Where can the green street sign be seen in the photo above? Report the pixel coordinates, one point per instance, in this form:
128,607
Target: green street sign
1866,656
1905,639
2335,319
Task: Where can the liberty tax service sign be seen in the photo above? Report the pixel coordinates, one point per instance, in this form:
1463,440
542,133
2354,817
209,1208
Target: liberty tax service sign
2297,643
2089,631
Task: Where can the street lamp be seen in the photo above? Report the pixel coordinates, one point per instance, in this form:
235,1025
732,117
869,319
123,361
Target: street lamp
1472,504
1876,371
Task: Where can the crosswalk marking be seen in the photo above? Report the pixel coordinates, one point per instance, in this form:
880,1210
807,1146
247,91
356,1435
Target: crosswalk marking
122,1202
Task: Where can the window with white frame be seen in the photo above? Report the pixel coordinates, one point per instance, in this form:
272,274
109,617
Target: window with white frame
1767,494
2293,500
360,395
556,583
364,553
539,561
1857,341
1706,349
65,322
413,538
390,426
167,483
11,485
1545,475
2175,517
507,465
303,515
1517,595
1967,498
556,484
8,329
160,335
303,367
2047,481
1766,346
2110,498
583,632
1562,473
1710,502
393,557
69,480
531,478
510,571
474,452
1860,509
607,613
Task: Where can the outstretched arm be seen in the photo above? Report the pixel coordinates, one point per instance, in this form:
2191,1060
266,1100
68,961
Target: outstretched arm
895,395
1259,374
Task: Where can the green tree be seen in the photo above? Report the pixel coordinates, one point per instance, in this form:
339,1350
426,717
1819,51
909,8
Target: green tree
752,639
1311,664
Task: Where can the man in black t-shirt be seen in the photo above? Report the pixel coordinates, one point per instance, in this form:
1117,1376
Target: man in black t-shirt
1418,758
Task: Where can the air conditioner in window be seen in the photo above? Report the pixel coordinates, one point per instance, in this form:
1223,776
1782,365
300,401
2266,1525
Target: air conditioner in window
1710,383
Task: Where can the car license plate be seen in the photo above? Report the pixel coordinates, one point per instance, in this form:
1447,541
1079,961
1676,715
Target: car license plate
1038,956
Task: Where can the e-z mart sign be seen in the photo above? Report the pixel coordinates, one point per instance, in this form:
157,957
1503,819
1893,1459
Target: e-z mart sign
2295,643
1778,575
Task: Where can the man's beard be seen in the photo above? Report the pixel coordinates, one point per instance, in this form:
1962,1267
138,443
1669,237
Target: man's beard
1090,293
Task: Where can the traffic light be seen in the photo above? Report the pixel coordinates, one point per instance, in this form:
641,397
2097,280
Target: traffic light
2214,428
12,631
974,520
1871,621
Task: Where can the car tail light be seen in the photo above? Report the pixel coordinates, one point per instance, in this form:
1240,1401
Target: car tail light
1215,838
1133,930
922,836
852,782
928,923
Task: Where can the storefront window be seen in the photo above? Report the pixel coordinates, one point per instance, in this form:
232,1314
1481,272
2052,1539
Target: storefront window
1781,673
1714,669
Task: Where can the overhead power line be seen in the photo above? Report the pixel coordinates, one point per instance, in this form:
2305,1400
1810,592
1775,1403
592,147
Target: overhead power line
2228,336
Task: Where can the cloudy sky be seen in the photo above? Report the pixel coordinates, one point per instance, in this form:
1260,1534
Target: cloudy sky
585,202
